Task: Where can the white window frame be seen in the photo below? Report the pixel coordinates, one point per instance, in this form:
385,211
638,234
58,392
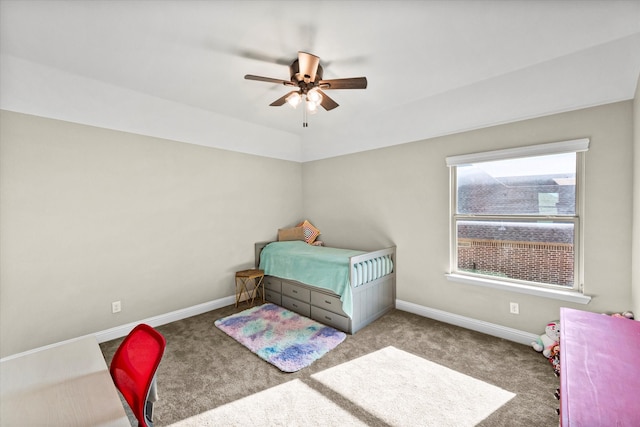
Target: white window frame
578,146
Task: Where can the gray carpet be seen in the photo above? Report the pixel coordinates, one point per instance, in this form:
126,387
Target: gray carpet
203,368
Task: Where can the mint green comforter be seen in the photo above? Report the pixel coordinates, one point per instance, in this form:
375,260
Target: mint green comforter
319,266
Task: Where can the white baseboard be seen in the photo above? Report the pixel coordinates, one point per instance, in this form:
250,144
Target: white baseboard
432,313
468,323
121,331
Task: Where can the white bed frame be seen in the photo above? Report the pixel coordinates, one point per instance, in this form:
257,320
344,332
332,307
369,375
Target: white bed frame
371,300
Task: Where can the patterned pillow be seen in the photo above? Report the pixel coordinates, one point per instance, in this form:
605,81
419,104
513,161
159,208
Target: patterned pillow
310,232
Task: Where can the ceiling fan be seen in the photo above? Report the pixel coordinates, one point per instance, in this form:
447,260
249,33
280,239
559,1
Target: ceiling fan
306,75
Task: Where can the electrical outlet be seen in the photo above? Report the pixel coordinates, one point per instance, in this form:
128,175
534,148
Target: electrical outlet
116,307
514,308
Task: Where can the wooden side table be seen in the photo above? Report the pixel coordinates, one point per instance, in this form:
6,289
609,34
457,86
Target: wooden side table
245,278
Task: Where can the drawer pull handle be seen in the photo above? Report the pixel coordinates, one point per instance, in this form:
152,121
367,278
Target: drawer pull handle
327,302
294,291
327,317
295,305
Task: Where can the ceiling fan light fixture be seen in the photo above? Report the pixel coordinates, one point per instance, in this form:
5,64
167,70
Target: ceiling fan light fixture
306,74
312,107
314,96
294,99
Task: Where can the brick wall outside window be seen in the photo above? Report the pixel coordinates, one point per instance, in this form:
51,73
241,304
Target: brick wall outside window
530,261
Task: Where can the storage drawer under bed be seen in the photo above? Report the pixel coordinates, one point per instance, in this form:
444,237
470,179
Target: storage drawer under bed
329,318
297,306
297,292
327,302
272,296
273,284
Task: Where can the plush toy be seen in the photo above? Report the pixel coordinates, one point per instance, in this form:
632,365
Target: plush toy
624,315
554,359
548,340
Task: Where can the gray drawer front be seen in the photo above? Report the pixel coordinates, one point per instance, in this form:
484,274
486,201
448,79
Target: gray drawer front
296,292
327,302
272,283
329,318
297,306
273,297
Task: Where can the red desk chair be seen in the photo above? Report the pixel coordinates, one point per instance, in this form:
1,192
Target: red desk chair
133,369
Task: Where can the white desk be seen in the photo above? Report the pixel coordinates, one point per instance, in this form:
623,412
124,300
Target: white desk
66,385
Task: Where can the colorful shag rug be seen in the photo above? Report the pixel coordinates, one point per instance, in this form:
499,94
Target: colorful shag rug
281,337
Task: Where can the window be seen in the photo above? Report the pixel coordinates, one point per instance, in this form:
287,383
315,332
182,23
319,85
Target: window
516,215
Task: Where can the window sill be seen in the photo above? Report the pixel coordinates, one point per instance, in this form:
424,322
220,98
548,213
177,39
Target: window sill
571,296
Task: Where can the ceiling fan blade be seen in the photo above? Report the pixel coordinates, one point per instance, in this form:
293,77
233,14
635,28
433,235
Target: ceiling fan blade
350,83
327,103
308,65
268,79
280,101
260,56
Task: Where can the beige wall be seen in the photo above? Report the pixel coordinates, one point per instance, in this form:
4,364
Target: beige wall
635,263
89,216
400,195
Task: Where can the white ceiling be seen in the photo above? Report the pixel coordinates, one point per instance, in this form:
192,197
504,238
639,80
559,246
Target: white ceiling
174,69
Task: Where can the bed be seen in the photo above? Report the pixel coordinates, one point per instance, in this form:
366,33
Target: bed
343,288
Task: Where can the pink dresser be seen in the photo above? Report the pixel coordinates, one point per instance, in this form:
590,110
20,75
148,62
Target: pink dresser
599,370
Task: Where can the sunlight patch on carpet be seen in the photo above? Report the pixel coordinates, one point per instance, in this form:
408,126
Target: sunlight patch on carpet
281,337
289,404
406,390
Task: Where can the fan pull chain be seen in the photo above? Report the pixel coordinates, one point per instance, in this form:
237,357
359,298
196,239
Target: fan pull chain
304,112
